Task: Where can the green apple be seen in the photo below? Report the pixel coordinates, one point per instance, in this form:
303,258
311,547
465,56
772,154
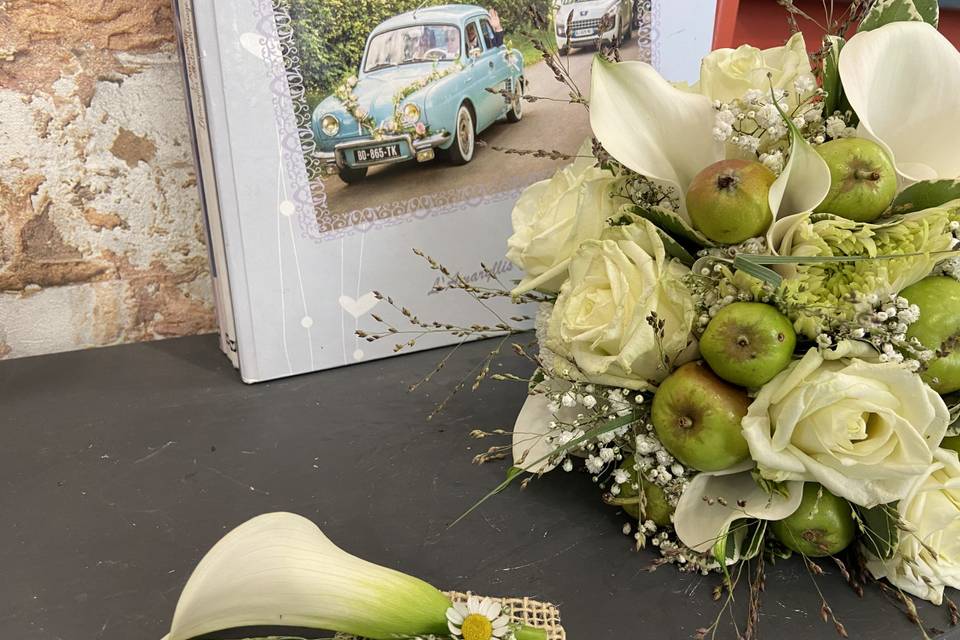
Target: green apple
657,507
729,201
748,343
863,181
938,329
697,418
821,526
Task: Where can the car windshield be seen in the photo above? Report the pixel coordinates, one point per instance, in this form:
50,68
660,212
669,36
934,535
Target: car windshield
421,43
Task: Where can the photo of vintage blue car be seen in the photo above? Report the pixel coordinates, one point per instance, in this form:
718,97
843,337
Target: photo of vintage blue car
429,81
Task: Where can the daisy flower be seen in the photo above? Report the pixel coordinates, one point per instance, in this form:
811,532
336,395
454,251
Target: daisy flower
478,619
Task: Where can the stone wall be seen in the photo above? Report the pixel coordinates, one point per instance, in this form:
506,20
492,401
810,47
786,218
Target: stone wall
101,239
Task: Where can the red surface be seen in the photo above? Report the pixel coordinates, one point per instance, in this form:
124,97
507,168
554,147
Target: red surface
763,23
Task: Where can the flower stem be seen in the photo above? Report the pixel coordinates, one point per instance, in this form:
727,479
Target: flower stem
529,633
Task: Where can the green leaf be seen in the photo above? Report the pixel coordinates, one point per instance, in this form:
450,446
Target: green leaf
757,270
743,260
755,540
755,265
884,12
674,249
671,222
720,553
834,100
925,195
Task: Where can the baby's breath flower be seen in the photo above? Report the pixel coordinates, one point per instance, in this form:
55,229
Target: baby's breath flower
594,464
773,161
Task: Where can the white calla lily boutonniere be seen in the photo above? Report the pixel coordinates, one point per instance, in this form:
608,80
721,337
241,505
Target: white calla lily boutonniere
279,569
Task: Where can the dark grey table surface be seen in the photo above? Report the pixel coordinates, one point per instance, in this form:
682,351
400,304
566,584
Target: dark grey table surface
120,467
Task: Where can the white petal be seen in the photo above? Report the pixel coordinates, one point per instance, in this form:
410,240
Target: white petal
650,126
852,349
530,443
486,609
804,182
902,81
454,616
279,568
454,629
698,523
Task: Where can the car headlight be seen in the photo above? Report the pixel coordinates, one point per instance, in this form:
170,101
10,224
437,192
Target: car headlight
330,125
612,12
411,113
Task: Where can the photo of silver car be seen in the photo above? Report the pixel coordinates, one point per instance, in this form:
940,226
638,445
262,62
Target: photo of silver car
592,23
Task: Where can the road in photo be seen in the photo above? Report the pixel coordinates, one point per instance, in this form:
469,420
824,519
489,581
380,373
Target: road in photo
550,124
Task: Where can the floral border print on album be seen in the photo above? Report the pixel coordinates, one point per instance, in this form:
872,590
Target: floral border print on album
749,308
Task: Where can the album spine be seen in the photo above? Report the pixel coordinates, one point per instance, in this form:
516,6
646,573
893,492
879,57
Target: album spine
206,174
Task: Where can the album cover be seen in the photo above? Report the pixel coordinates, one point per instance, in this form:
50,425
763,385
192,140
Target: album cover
334,137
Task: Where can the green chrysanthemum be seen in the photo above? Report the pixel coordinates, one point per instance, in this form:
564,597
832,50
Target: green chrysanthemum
819,296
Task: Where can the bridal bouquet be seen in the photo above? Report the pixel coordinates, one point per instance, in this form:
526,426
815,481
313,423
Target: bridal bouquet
749,304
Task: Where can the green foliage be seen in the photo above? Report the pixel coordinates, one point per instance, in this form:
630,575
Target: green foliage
523,42
926,195
835,100
331,34
670,222
887,11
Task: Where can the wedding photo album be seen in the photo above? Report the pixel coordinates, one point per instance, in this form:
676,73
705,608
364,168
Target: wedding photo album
334,138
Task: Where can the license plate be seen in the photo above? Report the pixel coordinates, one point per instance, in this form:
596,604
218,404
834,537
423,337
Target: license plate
582,33
378,154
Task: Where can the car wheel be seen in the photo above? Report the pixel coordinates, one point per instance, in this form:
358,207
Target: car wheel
515,114
351,175
564,51
464,137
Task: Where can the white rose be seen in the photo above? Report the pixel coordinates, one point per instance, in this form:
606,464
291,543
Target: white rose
598,329
728,74
554,216
863,430
927,559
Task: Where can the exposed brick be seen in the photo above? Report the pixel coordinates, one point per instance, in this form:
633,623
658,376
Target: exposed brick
100,231
100,220
132,148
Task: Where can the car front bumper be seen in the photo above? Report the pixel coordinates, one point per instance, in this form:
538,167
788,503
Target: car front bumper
344,154
585,37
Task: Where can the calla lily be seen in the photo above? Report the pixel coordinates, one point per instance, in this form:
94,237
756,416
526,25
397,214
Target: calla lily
278,569
531,435
901,79
713,501
649,125
666,134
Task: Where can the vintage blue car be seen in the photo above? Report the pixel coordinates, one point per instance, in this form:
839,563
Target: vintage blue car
422,90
